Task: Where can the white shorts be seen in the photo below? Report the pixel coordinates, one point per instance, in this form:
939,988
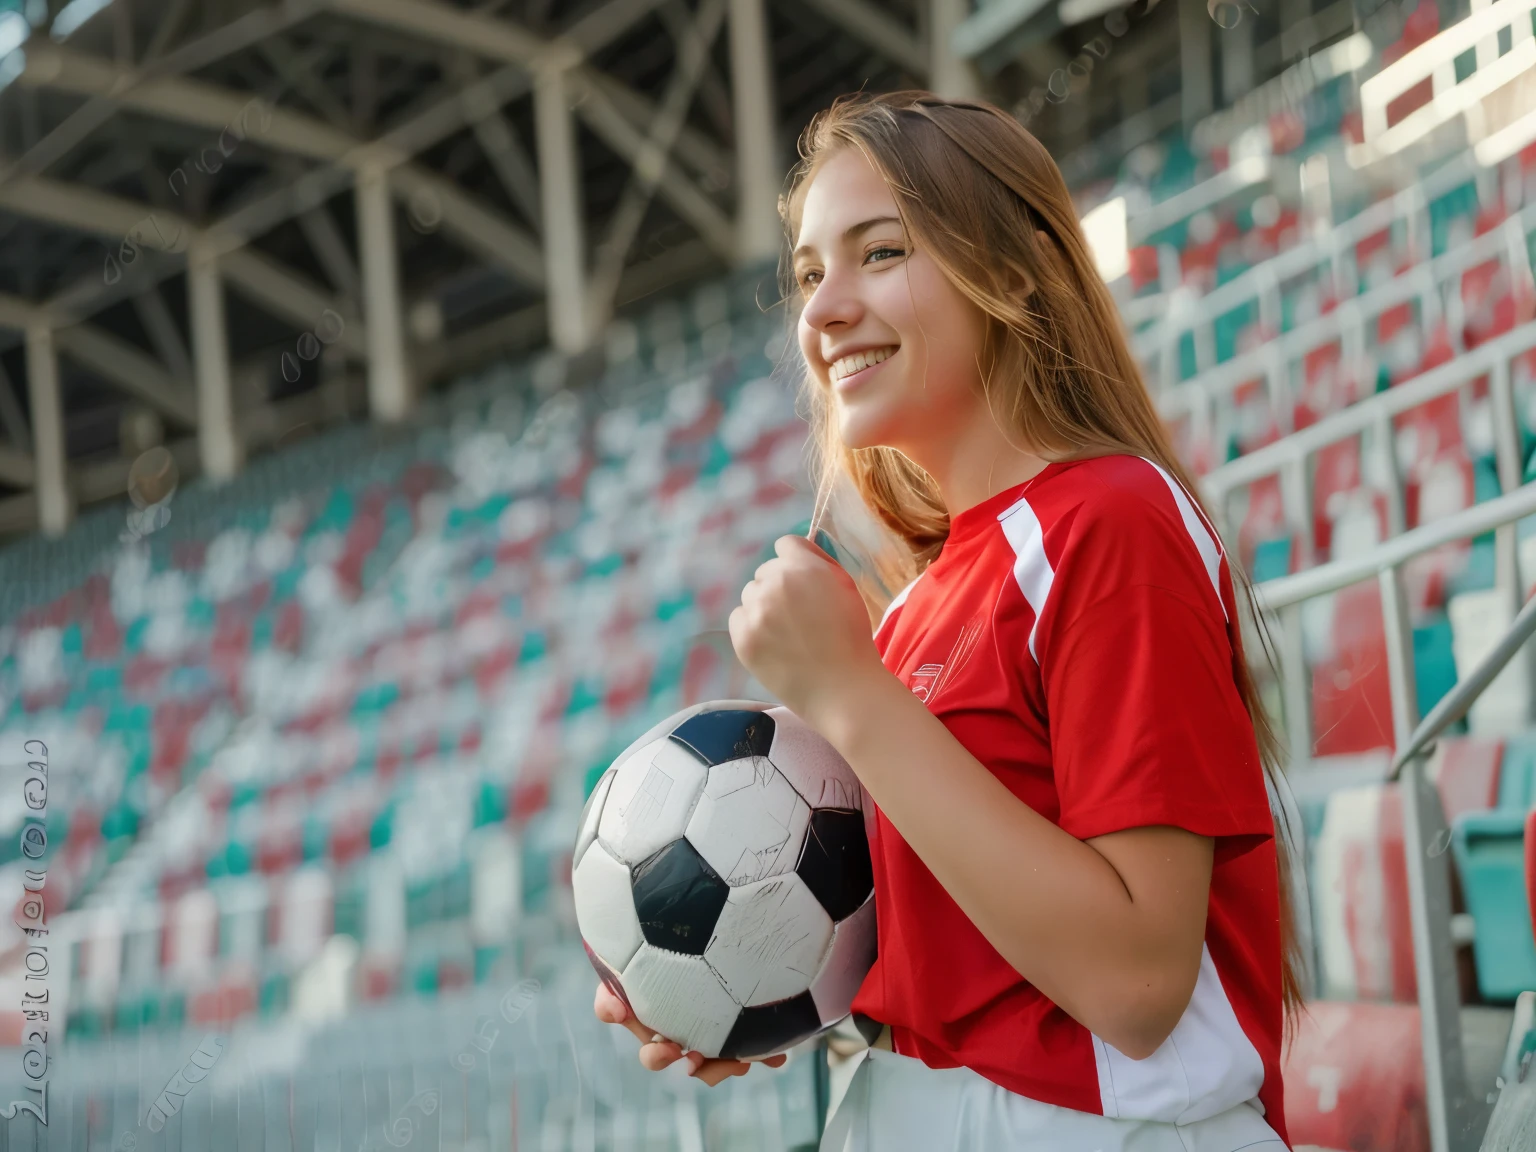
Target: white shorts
898,1104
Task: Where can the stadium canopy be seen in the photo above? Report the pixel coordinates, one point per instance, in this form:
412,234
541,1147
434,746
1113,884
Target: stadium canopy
226,221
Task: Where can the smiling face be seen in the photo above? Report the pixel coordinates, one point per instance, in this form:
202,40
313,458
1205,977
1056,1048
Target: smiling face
881,325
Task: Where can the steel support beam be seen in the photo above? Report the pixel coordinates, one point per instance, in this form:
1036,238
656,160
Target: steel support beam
874,26
474,225
443,23
949,74
241,33
163,333
511,162
693,52
612,123
758,231
560,190
1197,84
218,446
131,370
424,130
389,385
289,296
331,250
54,505
283,292
114,359
713,165
612,119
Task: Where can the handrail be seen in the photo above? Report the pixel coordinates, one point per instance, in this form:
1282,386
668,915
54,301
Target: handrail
1353,310
1448,1100
1311,252
1283,591
1454,704
1364,414
1243,174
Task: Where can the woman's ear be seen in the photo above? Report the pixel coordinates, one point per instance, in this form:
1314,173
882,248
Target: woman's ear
1020,282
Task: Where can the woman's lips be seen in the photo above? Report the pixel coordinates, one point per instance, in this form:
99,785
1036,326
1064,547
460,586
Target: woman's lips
854,379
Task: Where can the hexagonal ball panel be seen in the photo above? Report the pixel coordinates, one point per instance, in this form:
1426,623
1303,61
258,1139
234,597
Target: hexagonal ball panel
678,898
749,823
848,961
770,940
815,768
605,907
771,1028
680,997
650,800
662,728
725,734
591,814
835,862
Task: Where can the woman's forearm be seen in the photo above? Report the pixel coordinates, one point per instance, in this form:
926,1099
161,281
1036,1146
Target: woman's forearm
1053,906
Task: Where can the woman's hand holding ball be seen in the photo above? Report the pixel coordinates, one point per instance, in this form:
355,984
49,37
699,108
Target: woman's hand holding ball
657,1053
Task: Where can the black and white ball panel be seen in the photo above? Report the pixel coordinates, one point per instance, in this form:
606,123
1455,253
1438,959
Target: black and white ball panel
723,734
772,1028
662,728
591,813
652,797
605,907
811,764
677,898
681,998
750,822
834,861
847,963
770,941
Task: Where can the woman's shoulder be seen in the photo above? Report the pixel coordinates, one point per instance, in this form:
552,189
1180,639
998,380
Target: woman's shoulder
1121,493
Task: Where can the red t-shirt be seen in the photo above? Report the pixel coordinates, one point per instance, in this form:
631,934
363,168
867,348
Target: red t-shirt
1078,634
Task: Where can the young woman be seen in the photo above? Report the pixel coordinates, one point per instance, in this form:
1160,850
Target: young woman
1083,934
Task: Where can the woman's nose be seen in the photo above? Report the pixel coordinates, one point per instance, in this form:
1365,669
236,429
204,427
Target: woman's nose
835,302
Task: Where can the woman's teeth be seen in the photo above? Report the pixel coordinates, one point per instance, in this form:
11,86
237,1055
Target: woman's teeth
847,365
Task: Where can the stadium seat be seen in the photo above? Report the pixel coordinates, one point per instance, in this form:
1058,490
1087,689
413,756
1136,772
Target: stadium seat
1354,1077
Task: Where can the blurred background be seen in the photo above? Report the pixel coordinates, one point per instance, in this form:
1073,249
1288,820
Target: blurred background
395,397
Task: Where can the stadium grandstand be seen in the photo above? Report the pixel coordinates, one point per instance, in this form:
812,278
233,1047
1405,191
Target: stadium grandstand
395,396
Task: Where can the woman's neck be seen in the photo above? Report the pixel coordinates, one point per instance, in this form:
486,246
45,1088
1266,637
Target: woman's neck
974,478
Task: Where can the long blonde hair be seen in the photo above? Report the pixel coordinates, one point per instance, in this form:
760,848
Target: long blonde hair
977,191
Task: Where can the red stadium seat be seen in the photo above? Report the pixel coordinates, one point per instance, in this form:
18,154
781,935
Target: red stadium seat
1351,691
1354,1078
1361,885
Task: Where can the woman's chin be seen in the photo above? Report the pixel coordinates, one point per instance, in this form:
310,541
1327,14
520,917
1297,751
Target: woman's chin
859,434
865,425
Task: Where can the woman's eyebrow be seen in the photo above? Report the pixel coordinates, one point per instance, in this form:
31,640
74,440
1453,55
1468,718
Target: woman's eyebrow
852,232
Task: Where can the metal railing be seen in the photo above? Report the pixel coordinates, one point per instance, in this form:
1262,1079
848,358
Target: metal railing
1289,459
1272,360
1452,1112
1158,344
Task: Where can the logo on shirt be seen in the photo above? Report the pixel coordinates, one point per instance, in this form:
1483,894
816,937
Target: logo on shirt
931,679
924,679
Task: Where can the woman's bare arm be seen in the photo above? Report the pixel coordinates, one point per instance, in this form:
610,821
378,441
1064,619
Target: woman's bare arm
1110,929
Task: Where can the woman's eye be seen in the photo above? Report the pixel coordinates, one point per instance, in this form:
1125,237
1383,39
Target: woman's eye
808,280
882,253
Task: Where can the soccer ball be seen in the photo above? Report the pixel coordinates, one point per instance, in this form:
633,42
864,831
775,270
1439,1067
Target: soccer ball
723,883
